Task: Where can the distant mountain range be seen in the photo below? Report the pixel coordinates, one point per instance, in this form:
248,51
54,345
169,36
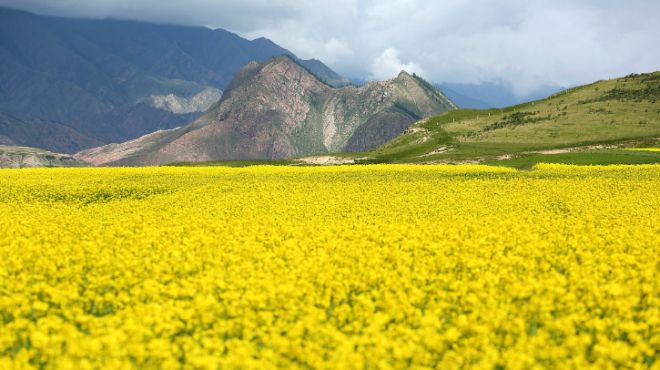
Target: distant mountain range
491,95
279,109
69,84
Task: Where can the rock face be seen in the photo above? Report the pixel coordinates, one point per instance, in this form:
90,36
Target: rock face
278,109
24,157
200,102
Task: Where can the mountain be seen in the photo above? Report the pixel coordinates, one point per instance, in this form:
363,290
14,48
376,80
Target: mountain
594,119
279,109
90,82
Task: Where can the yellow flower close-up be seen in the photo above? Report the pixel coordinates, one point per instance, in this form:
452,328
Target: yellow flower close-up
356,267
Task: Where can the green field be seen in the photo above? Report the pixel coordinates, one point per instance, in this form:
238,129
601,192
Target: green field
594,157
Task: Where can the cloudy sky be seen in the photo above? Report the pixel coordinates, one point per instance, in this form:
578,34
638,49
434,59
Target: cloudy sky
522,43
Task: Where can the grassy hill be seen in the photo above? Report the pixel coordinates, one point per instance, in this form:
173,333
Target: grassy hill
588,124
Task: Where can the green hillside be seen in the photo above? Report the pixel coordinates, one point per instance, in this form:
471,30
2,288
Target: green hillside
584,125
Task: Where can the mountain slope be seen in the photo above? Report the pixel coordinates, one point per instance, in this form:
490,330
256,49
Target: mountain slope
42,134
619,112
110,81
278,109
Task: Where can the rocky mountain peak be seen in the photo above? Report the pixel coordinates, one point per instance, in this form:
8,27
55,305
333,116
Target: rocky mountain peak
403,74
286,68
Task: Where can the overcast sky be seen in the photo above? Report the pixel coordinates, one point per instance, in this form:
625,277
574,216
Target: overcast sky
522,43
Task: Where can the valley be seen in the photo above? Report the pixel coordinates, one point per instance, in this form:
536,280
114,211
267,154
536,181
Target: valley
464,185
593,124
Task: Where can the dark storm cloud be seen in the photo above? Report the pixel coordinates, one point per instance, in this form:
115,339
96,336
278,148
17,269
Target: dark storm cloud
522,43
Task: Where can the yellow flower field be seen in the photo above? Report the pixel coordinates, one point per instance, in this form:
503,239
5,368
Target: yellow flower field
359,267
645,149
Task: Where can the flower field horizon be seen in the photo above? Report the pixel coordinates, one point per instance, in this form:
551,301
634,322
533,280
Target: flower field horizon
356,267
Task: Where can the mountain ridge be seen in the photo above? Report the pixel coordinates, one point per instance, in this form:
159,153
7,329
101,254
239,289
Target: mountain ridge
104,78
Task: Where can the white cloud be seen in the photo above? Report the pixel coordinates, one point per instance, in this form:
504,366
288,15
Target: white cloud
334,50
388,65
